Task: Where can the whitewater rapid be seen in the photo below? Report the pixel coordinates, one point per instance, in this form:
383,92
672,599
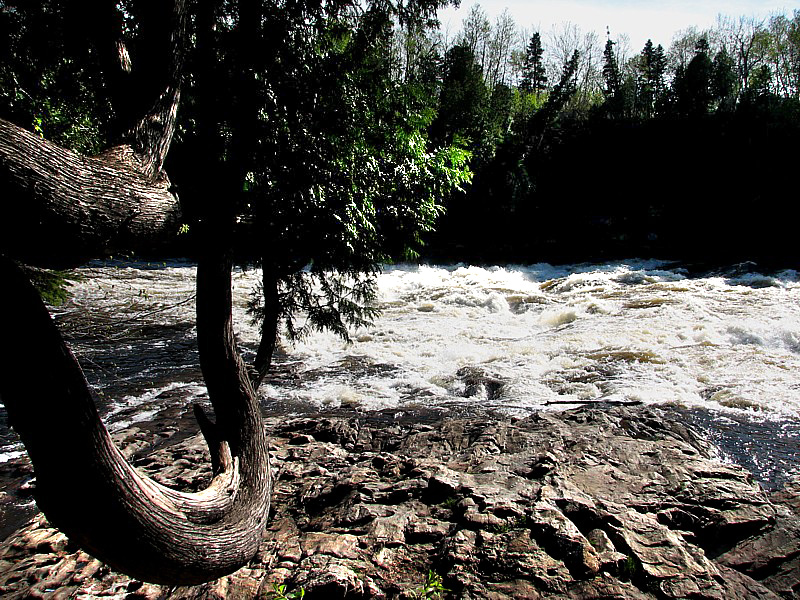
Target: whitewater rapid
630,331
513,339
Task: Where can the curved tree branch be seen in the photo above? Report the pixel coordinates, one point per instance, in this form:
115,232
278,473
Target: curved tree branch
88,490
62,208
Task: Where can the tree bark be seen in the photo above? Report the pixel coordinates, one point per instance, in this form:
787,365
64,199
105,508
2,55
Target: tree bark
151,135
61,208
89,491
269,326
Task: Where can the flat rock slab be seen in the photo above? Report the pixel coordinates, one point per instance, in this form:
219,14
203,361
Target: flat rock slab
616,503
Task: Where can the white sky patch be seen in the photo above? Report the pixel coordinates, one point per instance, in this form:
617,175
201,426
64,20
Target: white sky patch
639,19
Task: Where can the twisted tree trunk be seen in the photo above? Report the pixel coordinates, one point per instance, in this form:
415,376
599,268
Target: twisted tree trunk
89,491
62,208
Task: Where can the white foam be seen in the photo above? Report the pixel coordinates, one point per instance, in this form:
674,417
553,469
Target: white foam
632,330
675,339
10,455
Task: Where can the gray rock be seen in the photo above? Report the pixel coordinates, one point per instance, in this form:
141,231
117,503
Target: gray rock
617,503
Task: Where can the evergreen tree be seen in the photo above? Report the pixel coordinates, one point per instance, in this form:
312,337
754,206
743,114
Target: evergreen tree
534,78
658,72
694,93
566,86
723,81
558,98
652,66
611,72
341,176
616,90
464,100
627,96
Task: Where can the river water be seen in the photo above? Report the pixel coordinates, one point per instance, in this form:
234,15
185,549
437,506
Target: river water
721,349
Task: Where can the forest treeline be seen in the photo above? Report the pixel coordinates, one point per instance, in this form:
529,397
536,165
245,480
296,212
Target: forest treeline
584,148
580,146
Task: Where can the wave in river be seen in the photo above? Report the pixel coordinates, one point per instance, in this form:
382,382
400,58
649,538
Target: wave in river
515,339
632,331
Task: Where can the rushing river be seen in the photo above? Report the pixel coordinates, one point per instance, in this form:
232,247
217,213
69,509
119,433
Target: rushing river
722,349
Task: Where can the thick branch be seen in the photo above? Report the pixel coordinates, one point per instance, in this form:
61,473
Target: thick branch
89,491
151,136
61,208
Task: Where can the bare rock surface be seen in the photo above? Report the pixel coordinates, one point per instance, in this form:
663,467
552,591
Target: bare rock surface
617,503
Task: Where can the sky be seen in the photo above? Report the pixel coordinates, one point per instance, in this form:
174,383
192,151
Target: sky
639,19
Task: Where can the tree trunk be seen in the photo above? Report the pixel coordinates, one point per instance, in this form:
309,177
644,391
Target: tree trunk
269,326
61,208
89,491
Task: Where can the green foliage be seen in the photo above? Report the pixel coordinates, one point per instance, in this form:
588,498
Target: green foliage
760,80
432,589
522,522
561,92
651,70
723,81
341,135
280,592
534,77
48,76
629,569
694,86
325,300
611,72
450,502
464,99
51,285
329,149
525,106
68,125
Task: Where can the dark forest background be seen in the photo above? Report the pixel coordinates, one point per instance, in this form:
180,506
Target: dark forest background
585,148
581,148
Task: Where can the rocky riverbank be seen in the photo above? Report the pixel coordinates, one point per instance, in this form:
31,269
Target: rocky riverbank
592,503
